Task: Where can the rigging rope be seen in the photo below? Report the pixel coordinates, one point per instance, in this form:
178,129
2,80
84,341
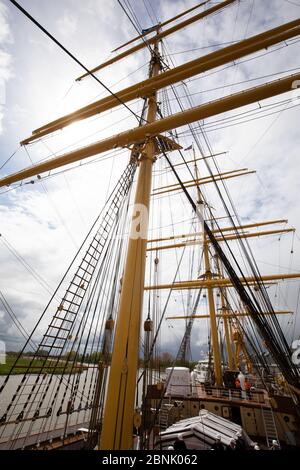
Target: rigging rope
59,44
286,365
9,158
262,289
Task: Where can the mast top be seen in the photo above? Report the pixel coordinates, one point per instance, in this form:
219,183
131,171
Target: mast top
159,36
160,25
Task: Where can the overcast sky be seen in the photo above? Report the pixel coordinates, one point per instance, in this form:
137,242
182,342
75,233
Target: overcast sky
46,223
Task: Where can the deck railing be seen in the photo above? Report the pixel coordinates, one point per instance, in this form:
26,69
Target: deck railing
202,391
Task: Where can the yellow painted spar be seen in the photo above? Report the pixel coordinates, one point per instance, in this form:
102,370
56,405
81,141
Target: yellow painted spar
208,181
161,25
229,286
160,36
228,315
148,131
197,159
198,284
191,242
200,180
225,229
222,176
195,67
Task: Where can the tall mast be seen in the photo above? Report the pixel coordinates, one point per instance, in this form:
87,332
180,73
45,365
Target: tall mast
227,332
210,294
213,318
118,421
225,312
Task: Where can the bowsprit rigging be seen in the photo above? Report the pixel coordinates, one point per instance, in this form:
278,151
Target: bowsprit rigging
80,384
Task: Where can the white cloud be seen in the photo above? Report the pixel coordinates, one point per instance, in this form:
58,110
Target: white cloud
5,31
67,24
5,60
5,64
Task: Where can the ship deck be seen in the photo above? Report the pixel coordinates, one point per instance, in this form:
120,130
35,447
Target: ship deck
258,397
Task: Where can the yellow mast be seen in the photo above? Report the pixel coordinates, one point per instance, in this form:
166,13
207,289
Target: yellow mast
213,318
117,431
211,301
225,313
239,347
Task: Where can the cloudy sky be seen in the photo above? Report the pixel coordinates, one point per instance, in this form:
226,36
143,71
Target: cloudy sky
46,222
